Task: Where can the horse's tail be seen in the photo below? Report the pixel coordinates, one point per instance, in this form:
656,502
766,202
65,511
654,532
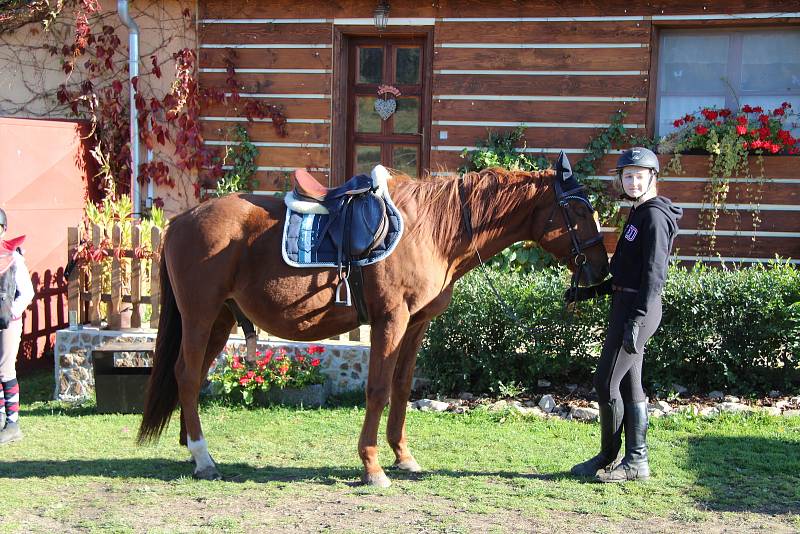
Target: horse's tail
162,391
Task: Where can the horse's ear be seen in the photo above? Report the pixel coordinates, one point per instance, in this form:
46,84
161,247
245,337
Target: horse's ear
563,168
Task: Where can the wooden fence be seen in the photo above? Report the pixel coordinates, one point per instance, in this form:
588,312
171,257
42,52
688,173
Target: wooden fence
122,269
116,276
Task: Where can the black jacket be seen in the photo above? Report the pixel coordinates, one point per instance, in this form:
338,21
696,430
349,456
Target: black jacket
642,255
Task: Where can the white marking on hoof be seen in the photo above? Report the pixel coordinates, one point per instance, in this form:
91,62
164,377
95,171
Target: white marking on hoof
408,465
377,480
202,460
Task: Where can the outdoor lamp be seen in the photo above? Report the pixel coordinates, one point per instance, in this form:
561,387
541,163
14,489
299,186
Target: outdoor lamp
381,14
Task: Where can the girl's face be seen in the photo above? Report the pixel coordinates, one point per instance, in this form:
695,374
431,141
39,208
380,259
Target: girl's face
635,181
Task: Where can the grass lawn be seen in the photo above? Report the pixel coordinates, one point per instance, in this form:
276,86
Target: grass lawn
295,470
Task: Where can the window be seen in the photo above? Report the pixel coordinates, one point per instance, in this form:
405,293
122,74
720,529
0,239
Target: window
725,68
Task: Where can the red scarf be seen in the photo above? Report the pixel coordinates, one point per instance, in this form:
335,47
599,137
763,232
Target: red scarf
7,247
11,245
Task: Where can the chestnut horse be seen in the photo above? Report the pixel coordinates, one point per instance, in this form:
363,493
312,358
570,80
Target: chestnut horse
230,248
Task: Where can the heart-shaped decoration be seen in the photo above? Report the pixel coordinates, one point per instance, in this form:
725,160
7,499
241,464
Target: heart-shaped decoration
385,108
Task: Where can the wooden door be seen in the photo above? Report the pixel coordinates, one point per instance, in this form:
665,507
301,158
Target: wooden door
396,142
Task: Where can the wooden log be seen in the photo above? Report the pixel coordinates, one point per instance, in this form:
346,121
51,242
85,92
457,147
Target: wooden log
115,307
543,58
265,132
267,58
95,281
270,82
136,278
74,306
503,84
296,108
533,111
155,273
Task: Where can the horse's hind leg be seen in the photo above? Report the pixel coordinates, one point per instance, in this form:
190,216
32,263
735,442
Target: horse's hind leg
216,343
189,375
401,389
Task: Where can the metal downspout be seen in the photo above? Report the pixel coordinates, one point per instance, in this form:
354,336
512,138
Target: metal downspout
133,68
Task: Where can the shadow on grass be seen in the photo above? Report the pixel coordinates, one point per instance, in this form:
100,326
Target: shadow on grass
746,473
168,470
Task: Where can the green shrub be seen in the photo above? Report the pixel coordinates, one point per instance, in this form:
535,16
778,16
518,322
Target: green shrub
735,330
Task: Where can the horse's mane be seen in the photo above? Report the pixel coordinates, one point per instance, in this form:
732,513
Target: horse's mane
438,205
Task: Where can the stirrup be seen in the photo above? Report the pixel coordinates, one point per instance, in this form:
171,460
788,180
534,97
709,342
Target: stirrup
347,300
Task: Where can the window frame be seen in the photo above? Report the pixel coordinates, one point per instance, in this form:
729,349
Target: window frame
657,36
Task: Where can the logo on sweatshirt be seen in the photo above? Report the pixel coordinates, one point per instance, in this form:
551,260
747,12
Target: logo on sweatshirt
631,232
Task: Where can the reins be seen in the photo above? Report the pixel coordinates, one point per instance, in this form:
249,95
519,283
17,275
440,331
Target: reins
578,249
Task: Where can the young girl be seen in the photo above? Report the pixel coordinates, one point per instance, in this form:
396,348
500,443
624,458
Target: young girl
9,340
638,270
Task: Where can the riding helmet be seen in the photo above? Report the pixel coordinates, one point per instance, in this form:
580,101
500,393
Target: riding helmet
639,157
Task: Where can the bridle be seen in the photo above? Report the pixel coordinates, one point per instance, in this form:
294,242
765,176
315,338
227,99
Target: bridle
563,199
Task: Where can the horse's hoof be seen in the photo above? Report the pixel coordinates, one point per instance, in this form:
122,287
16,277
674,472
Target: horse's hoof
410,466
376,480
209,473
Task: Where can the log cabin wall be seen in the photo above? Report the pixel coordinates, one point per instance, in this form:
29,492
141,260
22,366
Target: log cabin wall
560,69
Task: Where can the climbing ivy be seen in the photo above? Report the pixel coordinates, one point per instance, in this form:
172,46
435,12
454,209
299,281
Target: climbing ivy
241,157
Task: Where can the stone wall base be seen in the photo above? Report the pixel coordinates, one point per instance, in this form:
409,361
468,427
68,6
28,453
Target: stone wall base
345,363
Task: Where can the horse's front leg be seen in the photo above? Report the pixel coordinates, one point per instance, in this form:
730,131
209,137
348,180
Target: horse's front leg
401,389
188,373
386,337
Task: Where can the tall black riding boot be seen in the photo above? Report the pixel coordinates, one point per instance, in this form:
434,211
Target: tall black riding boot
634,466
610,441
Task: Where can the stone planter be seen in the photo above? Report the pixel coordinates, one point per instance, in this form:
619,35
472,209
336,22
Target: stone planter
313,396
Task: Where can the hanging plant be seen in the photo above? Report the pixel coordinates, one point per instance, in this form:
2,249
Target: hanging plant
729,138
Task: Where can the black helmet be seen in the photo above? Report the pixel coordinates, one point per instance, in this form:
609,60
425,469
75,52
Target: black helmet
3,220
639,157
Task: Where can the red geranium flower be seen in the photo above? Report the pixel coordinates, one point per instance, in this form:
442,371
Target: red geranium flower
725,112
741,119
678,123
747,109
259,379
741,130
236,363
244,381
763,119
700,129
709,114
315,349
315,362
300,359
758,109
778,111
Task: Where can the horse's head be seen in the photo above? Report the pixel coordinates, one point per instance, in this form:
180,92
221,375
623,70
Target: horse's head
569,226
8,288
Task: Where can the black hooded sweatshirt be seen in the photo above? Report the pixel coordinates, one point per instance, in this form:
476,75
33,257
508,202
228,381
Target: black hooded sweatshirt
641,258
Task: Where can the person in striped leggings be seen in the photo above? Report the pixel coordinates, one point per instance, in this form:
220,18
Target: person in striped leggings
10,336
